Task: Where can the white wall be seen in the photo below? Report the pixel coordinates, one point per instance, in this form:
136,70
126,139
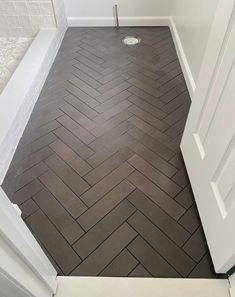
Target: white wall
25,18
193,20
104,8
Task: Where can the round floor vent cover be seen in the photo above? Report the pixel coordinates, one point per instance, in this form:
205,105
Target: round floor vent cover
131,40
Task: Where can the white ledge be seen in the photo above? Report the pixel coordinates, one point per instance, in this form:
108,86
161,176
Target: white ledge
141,287
21,92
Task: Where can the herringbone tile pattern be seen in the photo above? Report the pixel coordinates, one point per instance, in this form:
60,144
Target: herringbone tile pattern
98,172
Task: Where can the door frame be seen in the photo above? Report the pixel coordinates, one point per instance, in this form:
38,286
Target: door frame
232,285
19,249
24,266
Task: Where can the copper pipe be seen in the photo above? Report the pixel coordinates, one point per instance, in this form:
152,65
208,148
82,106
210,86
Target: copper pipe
116,15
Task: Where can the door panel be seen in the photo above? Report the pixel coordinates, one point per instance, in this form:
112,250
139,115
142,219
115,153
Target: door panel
208,144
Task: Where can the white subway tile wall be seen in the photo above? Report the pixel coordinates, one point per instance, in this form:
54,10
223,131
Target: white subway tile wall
61,19
24,18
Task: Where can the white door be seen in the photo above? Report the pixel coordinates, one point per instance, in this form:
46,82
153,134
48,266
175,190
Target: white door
208,144
24,268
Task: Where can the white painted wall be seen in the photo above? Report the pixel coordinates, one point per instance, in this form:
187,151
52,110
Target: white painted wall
104,8
193,20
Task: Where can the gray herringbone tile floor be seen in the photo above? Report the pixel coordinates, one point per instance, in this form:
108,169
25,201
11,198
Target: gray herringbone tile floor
98,173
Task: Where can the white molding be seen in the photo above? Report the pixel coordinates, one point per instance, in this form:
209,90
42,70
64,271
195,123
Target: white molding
10,287
124,21
182,58
21,92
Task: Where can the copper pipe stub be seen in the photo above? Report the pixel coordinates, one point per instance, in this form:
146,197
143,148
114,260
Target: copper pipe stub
116,16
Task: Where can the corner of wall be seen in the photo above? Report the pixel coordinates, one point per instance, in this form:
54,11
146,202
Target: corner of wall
182,58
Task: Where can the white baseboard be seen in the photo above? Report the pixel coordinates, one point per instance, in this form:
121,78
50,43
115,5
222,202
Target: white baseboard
124,21
21,92
182,58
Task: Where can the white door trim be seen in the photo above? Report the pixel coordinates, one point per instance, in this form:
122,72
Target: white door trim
9,287
22,259
232,285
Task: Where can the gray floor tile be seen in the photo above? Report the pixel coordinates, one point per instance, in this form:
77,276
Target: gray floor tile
29,175
52,239
105,205
190,220
152,144
116,120
112,102
204,269
196,246
165,183
71,88
181,178
140,271
147,107
106,252
150,259
70,157
63,194
103,145
163,221
95,236
156,195
185,198
122,265
74,143
81,106
147,117
162,244
108,166
27,191
109,94
67,174
145,127
63,221
106,184
78,117
28,208
80,132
